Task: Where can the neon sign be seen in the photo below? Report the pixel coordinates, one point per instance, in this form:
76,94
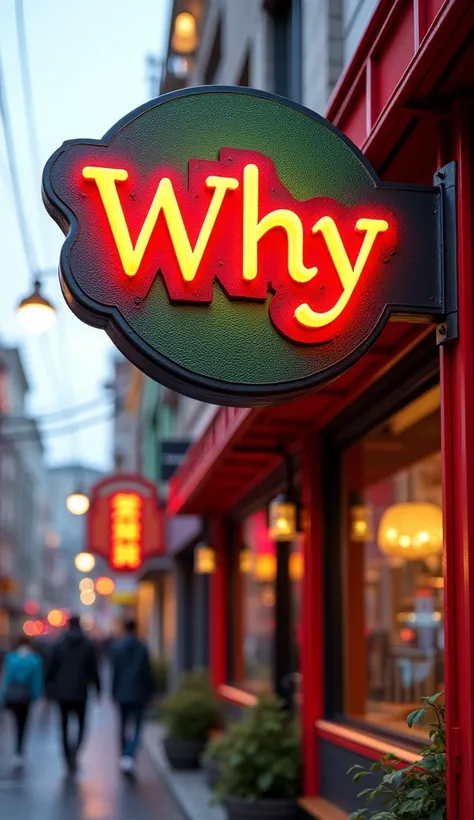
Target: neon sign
125,523
237,247
235,201
126,531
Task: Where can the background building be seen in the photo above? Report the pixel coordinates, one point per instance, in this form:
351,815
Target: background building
24,508
67,533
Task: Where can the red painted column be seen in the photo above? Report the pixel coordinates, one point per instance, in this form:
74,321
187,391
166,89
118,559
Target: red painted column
457,407
312,649
218,606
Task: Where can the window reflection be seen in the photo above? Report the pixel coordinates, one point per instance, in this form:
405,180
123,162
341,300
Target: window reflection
393,566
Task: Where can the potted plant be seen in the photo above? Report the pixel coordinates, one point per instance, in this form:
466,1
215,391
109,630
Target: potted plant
188,715
217,748
159,668
260,762
415,792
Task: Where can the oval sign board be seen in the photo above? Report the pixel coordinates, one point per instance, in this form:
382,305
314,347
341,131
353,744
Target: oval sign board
235,246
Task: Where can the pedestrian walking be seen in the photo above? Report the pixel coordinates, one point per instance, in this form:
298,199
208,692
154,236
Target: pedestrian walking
132,687
22,684
71,672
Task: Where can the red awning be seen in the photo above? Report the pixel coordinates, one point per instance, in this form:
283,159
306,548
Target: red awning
234,455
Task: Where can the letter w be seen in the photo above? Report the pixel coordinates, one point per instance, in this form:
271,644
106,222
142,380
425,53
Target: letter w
164,200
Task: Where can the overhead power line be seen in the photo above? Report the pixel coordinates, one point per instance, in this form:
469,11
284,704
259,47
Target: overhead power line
62,431
25,235
29,104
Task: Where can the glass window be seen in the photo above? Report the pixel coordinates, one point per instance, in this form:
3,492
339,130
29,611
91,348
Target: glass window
257,567
255,609
393,558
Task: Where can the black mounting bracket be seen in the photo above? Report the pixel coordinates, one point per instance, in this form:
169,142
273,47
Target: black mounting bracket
445,181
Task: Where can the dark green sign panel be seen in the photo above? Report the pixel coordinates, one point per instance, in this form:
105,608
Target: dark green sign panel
238,248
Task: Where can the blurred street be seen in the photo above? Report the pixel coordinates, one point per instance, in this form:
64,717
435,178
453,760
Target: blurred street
99,792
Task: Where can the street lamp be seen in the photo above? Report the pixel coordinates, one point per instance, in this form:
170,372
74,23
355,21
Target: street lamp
78,502
84,562
35,312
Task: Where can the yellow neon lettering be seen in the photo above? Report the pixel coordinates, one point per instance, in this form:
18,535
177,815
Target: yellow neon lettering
164,200
254,230
349,276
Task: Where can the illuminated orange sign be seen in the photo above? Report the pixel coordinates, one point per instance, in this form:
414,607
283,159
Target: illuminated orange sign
126,531
124,524
272,235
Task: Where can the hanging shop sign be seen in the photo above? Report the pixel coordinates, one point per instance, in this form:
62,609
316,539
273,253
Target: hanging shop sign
125,522
238,248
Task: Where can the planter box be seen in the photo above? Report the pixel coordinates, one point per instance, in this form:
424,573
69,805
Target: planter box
239,809
183,754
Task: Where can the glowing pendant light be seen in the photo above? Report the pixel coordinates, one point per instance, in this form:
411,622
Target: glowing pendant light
413,530
35,312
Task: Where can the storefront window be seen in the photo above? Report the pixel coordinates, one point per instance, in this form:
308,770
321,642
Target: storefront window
257,601
393,558
255,606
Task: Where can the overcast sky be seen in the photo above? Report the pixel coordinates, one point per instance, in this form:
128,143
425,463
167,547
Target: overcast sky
87,61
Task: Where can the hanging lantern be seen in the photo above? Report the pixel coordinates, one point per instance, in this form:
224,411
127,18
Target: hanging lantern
204,560
245,561
282,515
265,567
296,566
361,519
184,40
413,530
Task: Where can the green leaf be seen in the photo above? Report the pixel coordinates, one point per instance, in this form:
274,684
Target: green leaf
359,776
415,717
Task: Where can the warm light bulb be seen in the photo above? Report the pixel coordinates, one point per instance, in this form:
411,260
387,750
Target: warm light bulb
36,313
36,319
77,503
84,562
86,584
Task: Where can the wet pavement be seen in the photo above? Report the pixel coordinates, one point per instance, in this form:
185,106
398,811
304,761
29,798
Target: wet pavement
99,791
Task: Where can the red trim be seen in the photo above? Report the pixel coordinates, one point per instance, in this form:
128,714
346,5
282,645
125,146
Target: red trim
362,745
457,395
238,697
206,452
312,613
218,627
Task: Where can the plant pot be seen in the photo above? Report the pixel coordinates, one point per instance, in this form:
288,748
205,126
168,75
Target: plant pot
212,771
183,754
278,809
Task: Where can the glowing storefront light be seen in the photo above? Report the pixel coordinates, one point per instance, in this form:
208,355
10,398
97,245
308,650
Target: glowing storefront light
204,560
413,530
104,586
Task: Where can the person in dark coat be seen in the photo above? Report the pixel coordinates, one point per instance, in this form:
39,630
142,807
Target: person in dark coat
132,687
71,671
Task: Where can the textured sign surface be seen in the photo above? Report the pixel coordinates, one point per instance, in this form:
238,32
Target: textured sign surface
236,246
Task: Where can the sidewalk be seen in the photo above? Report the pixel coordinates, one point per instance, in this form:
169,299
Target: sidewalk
188,788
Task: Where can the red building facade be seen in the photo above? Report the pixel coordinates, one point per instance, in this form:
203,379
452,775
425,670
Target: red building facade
352,630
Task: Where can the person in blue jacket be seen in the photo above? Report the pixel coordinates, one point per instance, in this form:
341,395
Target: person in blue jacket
22,684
